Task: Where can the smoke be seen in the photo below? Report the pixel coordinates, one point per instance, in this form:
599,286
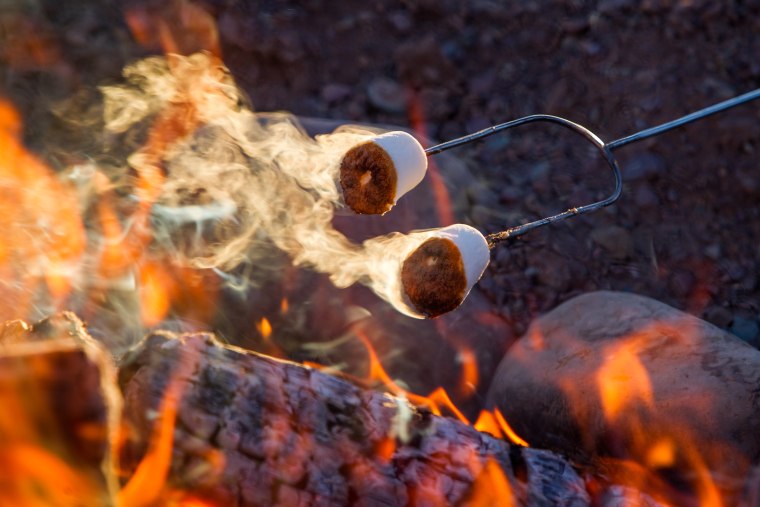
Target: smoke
225,187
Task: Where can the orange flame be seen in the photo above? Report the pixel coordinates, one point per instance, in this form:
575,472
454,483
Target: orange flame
184,499
622,379
496,424
385,448
39,465
486,422
508,431
492,488
43,236
661,454
434,401
30,44
650,444
181,27
265,329
41,478
146,485
154,293
470,374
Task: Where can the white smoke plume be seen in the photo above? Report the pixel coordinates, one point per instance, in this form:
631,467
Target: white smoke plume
230,184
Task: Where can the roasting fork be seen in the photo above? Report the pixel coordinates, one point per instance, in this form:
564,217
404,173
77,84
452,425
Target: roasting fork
606,150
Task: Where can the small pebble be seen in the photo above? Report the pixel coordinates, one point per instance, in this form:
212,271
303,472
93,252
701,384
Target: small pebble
610,6
335,92
436,103
511,194
615,240
646,198
713,251
748,183
477,123
681,283
643,165
401,21
479,192
387,95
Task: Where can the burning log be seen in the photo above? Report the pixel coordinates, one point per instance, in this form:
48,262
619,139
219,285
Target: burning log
253,430
59,411
654,396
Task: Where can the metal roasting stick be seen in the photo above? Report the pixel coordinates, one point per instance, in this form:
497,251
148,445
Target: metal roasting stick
604,148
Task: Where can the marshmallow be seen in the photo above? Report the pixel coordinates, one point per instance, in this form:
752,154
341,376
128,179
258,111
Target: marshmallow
439,274
376,173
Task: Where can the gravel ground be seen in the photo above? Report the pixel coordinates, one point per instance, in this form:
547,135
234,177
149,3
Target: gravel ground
686,228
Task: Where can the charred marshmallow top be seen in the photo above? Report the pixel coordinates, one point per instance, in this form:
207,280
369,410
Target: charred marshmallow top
439,274
376,173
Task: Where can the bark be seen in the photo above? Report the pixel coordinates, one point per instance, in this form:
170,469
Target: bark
252,430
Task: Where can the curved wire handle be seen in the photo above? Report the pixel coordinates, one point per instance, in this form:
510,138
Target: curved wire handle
604,148
498,237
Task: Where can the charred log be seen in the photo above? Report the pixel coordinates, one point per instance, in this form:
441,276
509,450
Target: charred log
252,430
59,412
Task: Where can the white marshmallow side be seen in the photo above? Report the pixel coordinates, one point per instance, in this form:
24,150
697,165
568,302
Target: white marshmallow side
408,157
472,247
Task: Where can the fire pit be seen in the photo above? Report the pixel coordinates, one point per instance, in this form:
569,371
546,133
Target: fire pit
206,245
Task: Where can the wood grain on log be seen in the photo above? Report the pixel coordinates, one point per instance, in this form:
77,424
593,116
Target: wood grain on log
252,430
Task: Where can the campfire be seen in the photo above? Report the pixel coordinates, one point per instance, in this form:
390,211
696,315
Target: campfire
206,304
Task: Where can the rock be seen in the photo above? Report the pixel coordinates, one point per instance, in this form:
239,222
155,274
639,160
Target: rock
719,316
614,375
335,92
575,26
611,6
511,194
748,183
422,62
646,198
436,103
746,329
481,193
476,124
401,21
553,271
642,166
387,95
681,282
713,251
615,240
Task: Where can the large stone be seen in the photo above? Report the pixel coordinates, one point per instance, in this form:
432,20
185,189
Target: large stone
613,377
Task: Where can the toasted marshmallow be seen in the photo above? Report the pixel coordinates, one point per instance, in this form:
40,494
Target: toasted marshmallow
376,173
439,274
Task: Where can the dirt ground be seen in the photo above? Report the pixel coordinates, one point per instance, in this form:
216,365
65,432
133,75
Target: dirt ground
686,230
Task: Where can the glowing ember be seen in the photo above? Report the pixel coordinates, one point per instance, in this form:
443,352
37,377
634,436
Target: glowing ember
265,329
